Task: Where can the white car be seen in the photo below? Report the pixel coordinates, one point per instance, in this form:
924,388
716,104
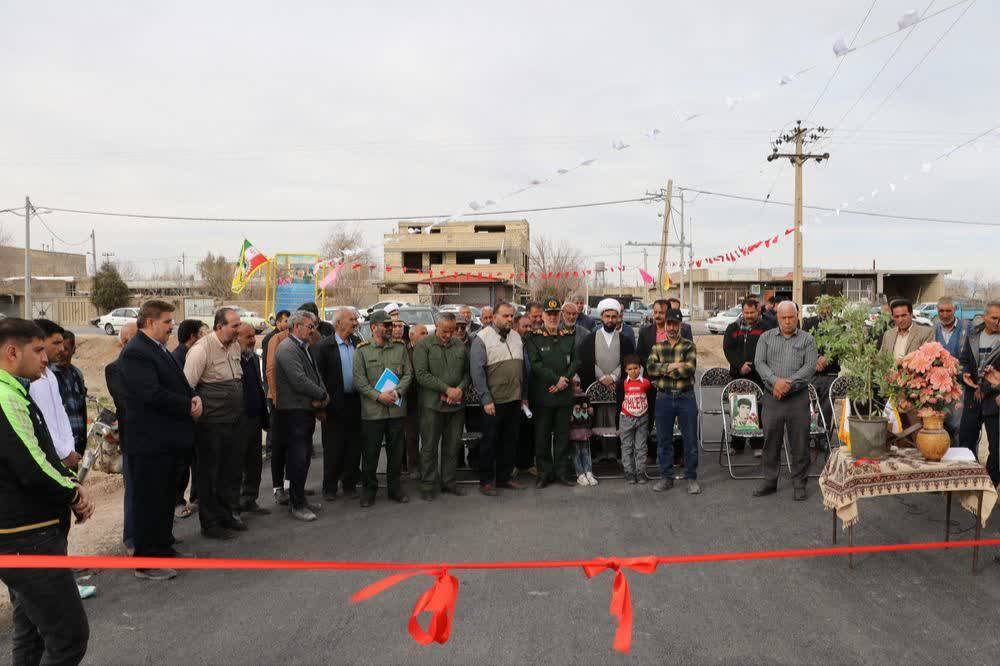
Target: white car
114,320
718,324
247,317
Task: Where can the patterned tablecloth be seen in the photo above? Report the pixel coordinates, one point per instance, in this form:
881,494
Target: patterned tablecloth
845,480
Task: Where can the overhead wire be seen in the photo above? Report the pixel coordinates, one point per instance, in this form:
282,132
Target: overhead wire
840,61
59,238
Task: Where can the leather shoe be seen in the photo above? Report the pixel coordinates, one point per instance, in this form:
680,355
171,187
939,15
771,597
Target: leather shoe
236,525
488,489
427,495
402,499
511,485
541,483
764,490
800,495
567,482
173,552
216,532
453,490
367,502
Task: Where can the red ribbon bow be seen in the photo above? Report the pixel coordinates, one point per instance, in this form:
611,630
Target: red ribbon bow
438,600
621,598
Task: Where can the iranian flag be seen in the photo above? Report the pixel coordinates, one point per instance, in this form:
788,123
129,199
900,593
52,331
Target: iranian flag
250,260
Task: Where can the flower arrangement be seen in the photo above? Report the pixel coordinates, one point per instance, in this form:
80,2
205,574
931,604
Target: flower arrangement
926,380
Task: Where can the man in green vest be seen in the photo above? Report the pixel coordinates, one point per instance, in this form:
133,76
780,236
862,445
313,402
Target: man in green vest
552,355
441,368
382,411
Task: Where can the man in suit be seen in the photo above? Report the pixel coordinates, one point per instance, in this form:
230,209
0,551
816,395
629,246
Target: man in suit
583,319
116,387
981,408
950,332
905,336
299,394
342,427
161,408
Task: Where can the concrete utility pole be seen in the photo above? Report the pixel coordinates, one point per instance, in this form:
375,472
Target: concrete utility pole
661,272
681,292
27,257
798,158
93,249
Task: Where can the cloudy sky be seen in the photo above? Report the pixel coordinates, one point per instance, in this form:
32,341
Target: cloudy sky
339,109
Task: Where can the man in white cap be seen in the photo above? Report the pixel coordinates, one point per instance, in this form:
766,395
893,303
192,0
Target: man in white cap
601,354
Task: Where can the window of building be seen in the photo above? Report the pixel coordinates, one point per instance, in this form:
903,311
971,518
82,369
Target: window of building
476,257
437,258
413,261
71,288
490,229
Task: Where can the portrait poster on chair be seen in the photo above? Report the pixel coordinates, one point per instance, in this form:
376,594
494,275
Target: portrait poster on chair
744,414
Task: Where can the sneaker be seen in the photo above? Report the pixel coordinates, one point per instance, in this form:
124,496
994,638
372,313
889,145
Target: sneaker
694,488
663,484
303,514
641,478
582,480
86,591
155,574
281,496
631,478
591,478
314,506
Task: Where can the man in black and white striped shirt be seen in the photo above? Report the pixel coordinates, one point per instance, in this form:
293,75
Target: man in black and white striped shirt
786,362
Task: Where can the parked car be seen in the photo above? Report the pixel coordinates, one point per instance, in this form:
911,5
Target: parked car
636,313
247,317
873,314
420,314
717,325
114,320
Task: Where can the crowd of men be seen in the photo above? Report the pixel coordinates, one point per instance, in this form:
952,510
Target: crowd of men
193,419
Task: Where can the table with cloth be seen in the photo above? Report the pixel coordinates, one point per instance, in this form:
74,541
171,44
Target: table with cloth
845,480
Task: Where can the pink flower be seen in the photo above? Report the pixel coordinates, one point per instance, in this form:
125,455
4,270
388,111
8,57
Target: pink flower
939,378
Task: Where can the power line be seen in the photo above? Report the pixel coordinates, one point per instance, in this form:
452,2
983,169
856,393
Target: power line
54,234
848,211
840,61
388,218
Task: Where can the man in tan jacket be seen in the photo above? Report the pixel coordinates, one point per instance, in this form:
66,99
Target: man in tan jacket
905,336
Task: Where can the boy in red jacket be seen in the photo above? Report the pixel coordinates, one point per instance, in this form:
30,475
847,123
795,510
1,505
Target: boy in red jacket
634,422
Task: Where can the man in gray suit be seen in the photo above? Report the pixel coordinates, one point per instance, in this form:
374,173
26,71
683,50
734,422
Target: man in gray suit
905,336
299,395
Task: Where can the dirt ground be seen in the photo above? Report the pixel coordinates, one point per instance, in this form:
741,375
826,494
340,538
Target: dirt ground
102,534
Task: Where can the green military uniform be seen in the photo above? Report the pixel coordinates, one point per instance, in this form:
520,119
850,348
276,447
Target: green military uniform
438,367
552,355
380,421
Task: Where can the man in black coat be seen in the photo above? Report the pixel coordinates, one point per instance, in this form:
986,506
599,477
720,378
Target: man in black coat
342,427
739,344
116,387
161,409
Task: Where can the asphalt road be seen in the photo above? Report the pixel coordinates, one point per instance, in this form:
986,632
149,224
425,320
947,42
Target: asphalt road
920,608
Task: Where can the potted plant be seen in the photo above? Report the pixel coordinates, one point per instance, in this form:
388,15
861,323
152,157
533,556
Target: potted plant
926,381
849,338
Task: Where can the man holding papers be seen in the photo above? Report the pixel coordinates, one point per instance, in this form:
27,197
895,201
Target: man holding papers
382,375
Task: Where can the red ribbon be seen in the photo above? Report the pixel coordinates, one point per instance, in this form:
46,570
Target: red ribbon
621,597
438,600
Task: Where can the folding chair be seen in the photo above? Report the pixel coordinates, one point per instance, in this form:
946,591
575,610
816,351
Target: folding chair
738,387
818,430
603,398
711,378
470,438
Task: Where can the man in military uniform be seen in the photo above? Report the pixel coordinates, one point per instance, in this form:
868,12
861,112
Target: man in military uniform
552,355
441,368
382,412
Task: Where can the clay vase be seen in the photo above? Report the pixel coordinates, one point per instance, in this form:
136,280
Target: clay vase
933,441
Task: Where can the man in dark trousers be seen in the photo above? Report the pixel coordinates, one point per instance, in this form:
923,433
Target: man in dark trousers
161,409
37,494
116,387
188,333
254,422
979,351
300,394
73,390
280,325
342,427
739,344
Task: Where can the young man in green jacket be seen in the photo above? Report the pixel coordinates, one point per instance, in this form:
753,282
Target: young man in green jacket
552,354
441,367
382,412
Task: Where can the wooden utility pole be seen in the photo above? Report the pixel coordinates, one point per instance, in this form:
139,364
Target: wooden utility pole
798,158
661,274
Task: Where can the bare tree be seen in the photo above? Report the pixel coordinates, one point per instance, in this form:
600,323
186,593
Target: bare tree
217,274
128,270
560,259
347,244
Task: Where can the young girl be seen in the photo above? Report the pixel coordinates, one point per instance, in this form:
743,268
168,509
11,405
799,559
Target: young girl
579,435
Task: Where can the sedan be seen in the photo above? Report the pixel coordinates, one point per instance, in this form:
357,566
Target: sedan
718,324
114,320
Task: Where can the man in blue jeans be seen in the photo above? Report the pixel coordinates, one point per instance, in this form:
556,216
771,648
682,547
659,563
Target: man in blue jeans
670,367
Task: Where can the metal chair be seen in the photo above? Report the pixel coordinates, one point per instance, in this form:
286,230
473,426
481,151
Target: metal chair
743,387
818,429
711,378
604,397
470,438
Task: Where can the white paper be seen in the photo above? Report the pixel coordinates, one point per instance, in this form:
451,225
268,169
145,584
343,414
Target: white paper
959,454
527,412
908,19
